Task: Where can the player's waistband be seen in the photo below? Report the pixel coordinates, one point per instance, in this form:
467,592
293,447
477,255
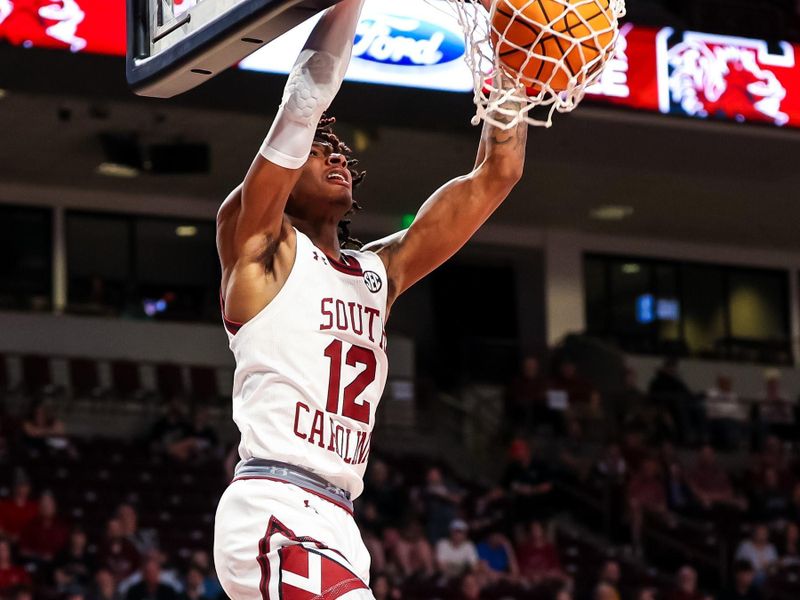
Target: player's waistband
275,470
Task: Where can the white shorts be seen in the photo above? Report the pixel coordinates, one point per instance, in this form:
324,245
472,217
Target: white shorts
274,540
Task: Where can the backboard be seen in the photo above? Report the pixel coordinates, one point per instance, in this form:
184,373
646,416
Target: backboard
175,45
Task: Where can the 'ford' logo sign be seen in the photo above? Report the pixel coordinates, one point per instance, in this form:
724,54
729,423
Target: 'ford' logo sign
406,42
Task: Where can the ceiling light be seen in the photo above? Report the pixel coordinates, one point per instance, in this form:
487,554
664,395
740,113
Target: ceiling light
631,268
186,231
110,169
611,212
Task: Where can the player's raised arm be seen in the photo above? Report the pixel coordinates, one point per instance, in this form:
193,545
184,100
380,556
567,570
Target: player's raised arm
448,219
312,85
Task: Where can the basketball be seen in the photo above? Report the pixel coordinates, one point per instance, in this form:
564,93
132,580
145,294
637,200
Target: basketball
532,38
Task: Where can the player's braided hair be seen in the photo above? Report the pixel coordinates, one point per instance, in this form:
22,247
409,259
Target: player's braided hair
326,135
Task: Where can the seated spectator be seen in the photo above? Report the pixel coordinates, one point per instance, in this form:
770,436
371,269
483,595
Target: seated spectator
150,587
202,561
194,586
74,565
667,389
491,509
169,434
628,406
525,399
563,593
382,489
118,554
537,557
441,500
760,552
605,591
679,495
105,587
42,430
397,553
647,593
421,559
743,587
710,484
686,586
770,501
726,414
790,550
22,593
777,413
11,575
496,552
611,466
529,483
579,398
575,454
456,554
19,509
771,456
46,534
611,573
168,574
469,588
145,540
383,589
202,441
646,492
633,449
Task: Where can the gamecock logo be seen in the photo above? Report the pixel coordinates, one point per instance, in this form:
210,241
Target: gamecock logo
722,77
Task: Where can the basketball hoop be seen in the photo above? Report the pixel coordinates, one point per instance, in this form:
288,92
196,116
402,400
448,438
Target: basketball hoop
554,49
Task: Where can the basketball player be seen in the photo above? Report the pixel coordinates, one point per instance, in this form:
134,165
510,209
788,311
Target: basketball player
305,320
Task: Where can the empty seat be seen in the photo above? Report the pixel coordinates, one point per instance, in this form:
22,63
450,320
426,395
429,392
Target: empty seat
83,377
36,374
125,377
203,381
169,381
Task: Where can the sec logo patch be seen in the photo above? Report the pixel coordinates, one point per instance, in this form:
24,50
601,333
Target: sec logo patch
373,281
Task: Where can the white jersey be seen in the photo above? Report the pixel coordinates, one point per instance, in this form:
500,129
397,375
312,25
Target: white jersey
311,366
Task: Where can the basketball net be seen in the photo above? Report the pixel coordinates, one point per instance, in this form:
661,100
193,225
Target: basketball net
496,104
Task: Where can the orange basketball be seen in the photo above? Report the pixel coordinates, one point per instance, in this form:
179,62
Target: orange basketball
525,31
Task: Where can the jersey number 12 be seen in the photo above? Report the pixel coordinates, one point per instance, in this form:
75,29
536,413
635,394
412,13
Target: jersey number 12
355,356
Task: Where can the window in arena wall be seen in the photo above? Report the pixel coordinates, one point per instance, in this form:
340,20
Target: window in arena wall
715,311
142,267
26,247
99,271
177,269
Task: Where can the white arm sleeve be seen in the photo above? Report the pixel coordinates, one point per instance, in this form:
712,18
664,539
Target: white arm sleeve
313,83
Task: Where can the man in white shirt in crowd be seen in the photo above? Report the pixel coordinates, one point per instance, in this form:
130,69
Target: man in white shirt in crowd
456,554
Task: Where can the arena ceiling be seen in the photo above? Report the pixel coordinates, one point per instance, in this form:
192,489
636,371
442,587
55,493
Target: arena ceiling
685,180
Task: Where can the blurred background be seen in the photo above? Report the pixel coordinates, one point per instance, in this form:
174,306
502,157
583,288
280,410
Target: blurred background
596,399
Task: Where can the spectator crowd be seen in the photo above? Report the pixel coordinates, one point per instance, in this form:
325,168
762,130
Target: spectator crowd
643,462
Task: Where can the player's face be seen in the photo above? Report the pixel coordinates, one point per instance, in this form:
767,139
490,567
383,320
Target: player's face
325,187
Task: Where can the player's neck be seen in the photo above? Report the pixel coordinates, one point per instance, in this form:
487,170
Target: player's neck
324,235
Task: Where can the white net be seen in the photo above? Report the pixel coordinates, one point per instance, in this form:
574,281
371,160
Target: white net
552,50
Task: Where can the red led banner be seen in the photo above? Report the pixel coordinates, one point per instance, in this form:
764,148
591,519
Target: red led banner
661,70
96,26
704,76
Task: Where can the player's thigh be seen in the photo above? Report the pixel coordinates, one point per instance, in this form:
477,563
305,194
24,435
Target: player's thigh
269,542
